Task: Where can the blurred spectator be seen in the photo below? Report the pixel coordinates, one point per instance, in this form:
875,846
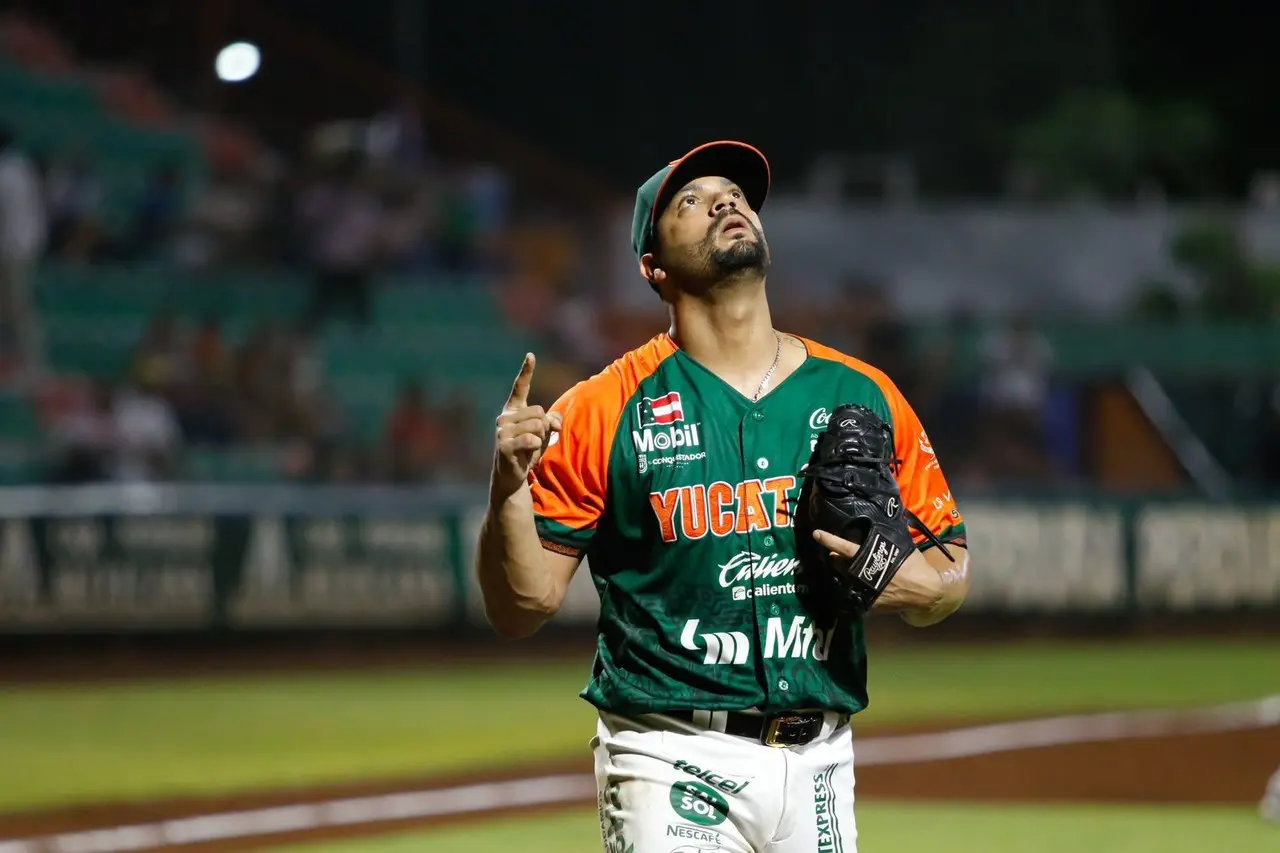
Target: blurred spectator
458,249
147,435
575,334
396,135
1017,366
486,190
209,356
231,221
416,436
409,221
467,459
341,219
257,385
125,434
74,195
84,438
338,463
304,365
23,226
156,219
307,409
161,361
204,404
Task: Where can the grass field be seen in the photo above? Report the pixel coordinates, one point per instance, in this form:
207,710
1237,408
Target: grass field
68,744
903,828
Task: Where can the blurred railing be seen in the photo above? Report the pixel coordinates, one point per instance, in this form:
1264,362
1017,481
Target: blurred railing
141,558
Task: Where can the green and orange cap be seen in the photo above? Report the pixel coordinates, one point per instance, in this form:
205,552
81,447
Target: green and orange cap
736,161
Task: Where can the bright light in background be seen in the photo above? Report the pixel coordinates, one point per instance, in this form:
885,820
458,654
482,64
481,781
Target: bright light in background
237,62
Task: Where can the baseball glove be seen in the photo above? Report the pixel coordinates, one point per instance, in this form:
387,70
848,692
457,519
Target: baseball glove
850,491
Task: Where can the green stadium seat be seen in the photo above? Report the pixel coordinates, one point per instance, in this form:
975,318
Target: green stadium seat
18,420
232,465
22,462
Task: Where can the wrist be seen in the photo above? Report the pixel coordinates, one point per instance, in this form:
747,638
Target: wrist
503,494
916,588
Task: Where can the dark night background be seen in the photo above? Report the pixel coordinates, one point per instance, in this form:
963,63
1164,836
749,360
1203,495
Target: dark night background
618,88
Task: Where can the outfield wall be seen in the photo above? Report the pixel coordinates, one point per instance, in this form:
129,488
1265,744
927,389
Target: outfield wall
137,559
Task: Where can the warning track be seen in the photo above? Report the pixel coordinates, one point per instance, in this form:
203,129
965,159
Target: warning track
1222,754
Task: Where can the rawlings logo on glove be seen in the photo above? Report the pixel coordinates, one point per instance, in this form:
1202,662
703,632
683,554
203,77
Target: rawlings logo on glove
850,491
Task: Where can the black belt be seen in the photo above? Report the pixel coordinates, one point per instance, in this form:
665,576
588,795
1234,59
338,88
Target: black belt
790,728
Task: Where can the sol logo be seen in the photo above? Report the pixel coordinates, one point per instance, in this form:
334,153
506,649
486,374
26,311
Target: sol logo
819,419
698,803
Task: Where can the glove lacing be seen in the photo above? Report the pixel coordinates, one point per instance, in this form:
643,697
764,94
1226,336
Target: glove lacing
836,472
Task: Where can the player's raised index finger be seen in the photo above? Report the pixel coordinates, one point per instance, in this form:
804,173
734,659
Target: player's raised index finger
520,388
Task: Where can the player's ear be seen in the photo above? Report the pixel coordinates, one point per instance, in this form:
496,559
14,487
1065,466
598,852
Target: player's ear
649,271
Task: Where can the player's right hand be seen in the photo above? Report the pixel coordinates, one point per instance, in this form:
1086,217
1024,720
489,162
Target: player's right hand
523,434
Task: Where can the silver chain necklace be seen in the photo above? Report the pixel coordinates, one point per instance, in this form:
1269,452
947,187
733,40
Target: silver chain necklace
777,356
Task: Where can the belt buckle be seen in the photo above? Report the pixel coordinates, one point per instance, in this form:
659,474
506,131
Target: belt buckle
771,732
776,737
773,735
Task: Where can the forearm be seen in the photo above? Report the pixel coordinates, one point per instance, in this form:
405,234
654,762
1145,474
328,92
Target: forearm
927,590
520,593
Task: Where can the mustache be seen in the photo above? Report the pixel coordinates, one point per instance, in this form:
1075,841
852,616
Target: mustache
720,218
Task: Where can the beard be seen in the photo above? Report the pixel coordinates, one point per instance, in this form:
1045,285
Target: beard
739,256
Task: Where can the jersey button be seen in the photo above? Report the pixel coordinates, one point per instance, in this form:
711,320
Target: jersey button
775,610
768,541
757,415
762,463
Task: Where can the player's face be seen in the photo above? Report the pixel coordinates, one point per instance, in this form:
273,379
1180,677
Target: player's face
709,231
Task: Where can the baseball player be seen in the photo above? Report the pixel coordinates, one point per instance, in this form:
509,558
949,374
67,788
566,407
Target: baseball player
724,697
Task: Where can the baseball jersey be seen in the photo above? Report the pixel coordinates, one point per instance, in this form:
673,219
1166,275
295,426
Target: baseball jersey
678,489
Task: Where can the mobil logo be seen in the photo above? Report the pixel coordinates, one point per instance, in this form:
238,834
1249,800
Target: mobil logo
672,438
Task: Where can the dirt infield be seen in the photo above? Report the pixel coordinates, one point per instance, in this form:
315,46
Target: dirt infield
1219,757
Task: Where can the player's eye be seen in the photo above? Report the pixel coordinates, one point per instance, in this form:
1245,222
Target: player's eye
736,193
690,200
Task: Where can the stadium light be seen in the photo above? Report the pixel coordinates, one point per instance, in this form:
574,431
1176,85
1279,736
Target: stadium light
237,62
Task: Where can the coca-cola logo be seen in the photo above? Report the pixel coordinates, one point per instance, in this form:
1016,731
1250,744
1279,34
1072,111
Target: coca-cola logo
748,565
819,419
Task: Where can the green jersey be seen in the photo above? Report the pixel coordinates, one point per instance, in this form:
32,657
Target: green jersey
678,490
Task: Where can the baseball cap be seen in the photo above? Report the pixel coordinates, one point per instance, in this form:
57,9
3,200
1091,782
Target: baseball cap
739,162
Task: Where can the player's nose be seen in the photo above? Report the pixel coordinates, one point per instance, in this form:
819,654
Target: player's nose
723,201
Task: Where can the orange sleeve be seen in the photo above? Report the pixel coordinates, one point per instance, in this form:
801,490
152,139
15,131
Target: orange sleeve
924,487
569,483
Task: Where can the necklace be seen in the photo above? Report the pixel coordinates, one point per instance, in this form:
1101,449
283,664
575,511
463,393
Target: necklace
777,356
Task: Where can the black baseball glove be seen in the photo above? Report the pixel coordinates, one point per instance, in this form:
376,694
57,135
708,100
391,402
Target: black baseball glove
850,491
